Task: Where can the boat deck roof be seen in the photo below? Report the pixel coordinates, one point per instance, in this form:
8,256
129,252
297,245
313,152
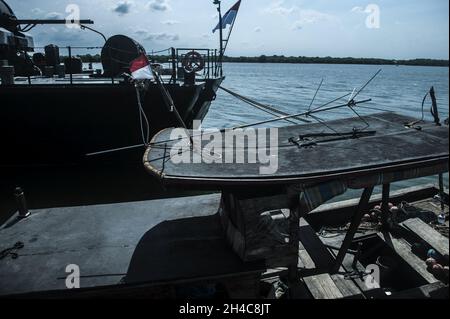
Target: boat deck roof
391,148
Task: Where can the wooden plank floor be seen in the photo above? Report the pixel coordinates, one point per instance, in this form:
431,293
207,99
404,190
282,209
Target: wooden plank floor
323,287
355,287
314,257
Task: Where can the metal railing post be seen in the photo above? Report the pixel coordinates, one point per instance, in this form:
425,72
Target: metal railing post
174,66
70,64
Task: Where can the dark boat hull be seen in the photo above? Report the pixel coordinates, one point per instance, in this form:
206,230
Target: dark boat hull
60,124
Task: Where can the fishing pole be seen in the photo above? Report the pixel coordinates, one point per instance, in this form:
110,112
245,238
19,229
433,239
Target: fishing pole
352,103
365,85
265,108
315,95
314,111
301,114
331,102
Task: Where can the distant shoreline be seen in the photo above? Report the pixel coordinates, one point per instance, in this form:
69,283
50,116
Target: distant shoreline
331,60
301,60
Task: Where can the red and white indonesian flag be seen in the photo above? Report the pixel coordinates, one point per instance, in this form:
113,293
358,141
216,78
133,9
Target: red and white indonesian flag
140,68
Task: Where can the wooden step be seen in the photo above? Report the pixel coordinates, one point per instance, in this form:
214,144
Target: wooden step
428,234
402,249
323,287
313,254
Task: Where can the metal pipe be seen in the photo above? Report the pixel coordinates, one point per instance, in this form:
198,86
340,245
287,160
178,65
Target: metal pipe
174,66
56,21
221,37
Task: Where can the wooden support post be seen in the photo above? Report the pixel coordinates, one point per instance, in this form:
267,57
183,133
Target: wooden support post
293,193
434,109
385,206
356,221
294,222
441,192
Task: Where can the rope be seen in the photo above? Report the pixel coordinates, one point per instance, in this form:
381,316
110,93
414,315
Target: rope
10,251
145,132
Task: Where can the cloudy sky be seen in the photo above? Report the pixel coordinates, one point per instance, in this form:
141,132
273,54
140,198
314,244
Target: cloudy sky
406,29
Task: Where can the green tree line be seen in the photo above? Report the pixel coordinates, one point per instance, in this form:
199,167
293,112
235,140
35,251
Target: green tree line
300,59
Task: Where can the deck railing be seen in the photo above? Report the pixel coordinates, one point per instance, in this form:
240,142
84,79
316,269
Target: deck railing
173,58
170,59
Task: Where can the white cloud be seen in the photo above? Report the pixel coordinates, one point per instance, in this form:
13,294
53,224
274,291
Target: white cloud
54,16
37,11
122,7
162,36
278,8
159,5
170,22
308,16
140,32
357,9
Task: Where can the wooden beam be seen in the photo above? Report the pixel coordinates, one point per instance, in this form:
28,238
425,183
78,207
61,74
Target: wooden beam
340,212
356,221
385,205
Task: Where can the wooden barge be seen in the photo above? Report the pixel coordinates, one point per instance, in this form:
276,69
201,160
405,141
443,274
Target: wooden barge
262,237
177,249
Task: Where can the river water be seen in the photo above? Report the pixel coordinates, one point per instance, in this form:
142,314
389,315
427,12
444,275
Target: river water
291,87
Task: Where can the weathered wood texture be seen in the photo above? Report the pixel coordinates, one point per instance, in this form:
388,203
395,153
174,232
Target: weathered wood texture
356,221
339,213
323,287
258,228
437,290
404,251
428,234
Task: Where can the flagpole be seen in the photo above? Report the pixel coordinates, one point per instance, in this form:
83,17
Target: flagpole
219,9
229,33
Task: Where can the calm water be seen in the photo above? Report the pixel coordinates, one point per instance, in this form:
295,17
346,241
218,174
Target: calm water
291,87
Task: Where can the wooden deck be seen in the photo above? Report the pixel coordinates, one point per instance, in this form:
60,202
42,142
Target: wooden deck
148,261
318,252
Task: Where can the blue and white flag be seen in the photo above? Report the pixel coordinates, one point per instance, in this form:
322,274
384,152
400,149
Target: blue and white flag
229,17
